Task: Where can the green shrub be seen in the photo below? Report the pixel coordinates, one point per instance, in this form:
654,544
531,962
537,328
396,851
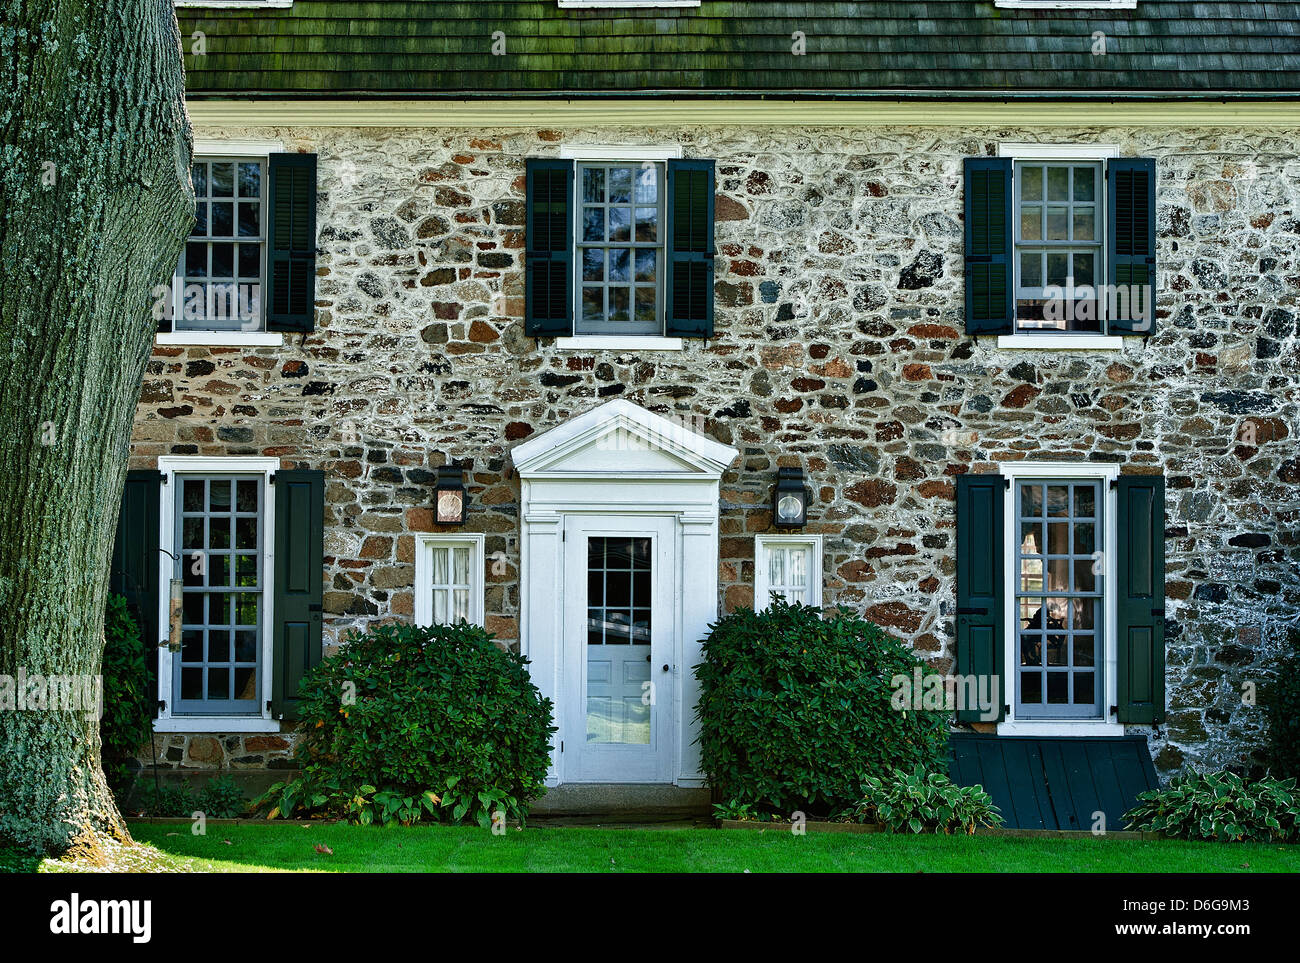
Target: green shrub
1220,806
125,724
220,798
409,723
1284,720
922,801
795,710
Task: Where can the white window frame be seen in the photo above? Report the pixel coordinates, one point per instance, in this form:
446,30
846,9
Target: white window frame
1029,153
1066,4
424,546
170,466
1106,725
631,154
258,150
763,590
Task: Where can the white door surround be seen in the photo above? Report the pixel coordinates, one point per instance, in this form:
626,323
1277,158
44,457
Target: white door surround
619,460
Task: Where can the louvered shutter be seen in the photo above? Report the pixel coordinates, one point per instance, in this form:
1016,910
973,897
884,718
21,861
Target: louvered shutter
548,258
291,243
298,588
990,281
980,589
689,278
1140,601
1132,244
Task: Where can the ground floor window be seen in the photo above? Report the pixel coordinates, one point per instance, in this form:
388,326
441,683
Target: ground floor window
449,578
220,540
1060,597
787,566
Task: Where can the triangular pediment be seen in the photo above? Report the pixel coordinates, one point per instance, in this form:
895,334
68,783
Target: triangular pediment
621,439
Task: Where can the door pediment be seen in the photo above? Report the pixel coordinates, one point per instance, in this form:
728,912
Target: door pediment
621,439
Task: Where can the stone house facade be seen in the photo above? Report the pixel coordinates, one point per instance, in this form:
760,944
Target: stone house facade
841,344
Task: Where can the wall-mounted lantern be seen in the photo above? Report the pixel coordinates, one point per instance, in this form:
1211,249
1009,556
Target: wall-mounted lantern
790,499
449,496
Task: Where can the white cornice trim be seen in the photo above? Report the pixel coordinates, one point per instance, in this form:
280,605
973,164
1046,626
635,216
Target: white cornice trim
481,114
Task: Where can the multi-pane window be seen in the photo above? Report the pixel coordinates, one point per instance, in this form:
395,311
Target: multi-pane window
219,521
620,248
219,281
1059,598
452,582
1059,215
788,567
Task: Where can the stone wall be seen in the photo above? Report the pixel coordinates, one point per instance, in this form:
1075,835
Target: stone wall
839,347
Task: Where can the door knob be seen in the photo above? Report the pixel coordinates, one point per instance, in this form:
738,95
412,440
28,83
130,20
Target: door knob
665,668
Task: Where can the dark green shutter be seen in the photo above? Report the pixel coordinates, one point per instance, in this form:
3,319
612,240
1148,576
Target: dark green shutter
980,592
1140,598
688,283
548,255
291,243
298,585
1132,242
990,284
134,571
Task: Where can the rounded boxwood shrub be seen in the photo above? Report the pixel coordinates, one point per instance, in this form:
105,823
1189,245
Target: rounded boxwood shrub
407,723
795,710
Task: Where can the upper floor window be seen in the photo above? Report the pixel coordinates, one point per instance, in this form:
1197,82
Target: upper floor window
248,269
1060,241
619,245
219,281
1058,245
620,248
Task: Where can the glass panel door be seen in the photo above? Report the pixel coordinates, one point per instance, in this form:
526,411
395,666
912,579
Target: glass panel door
619,625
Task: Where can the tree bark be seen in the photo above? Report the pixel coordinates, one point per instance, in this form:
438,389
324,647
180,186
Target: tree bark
95,203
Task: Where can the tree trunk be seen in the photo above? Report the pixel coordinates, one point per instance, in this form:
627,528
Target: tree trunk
95,203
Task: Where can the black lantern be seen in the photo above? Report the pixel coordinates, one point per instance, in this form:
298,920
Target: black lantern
789,499
449,497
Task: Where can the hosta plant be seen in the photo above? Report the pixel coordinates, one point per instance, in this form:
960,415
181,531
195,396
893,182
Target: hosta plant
1220,806
920,801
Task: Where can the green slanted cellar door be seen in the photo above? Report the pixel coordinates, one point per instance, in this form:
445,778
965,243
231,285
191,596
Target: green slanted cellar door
1055,783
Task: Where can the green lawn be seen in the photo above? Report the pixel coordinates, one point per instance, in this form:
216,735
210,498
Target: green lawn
288,847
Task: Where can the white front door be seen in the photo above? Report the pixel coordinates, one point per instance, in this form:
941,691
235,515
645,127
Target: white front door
620,609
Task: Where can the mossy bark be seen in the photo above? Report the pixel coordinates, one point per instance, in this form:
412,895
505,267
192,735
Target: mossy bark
95,203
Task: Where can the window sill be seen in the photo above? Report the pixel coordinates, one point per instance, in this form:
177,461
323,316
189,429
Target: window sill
601,342
1042,727
225,339
220,724
1062,342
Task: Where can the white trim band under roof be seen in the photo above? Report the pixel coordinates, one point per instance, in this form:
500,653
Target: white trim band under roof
786,112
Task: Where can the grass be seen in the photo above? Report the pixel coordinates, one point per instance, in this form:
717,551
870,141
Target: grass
288,847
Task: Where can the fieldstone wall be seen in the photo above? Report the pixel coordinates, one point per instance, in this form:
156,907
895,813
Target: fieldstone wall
840,347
